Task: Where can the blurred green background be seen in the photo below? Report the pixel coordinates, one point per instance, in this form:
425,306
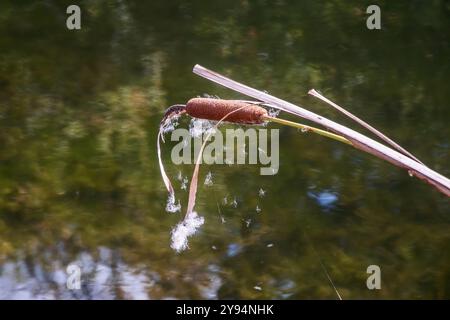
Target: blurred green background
79,180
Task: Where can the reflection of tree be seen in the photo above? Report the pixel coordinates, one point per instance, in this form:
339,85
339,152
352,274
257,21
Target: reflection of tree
78,117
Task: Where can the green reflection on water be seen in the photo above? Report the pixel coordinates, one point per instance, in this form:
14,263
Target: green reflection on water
78,172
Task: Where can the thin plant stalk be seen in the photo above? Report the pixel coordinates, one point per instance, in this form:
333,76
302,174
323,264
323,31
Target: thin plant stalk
322,265
308,128
380,135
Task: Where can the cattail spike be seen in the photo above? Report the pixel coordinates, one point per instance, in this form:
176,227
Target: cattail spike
235,111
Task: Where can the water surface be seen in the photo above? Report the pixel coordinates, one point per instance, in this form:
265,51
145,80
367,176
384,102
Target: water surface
79,179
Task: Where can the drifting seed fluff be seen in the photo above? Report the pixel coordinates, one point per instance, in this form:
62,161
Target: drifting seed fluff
185,229
198,127
208,179
261,192
184,183
234,204
170,125
171,206
273,112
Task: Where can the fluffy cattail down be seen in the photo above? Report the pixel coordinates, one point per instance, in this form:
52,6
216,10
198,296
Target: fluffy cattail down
216,109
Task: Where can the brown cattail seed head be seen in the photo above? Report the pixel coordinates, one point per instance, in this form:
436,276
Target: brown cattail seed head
216,109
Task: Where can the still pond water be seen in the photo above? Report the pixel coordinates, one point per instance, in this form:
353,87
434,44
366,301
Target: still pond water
79,177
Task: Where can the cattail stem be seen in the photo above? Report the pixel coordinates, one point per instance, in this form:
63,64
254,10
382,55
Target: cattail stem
308,128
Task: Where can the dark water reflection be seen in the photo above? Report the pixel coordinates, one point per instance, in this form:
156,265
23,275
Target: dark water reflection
79,180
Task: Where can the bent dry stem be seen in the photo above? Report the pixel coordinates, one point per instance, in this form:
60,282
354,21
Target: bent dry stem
357,139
